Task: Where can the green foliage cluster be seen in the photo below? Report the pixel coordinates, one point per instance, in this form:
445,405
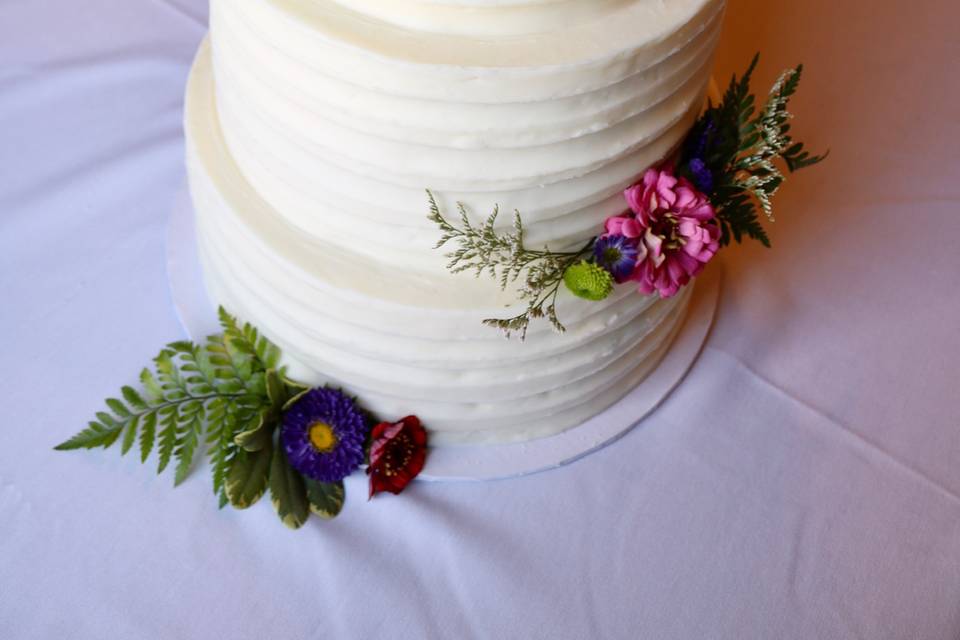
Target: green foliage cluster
227,396
503,256
741,147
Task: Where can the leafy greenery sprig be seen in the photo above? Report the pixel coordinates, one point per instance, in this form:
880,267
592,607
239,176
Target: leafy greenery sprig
228,395
740,147
503,256
733,155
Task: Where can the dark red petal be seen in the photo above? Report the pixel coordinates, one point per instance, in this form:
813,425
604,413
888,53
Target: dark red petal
378,430
416,430
377,485
416,464
377,449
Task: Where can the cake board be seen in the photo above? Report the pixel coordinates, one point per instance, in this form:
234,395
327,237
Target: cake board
198,316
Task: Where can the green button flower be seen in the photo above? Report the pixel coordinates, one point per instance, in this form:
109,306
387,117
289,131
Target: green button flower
588,281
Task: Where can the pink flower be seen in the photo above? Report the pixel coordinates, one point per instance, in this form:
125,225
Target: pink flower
675,228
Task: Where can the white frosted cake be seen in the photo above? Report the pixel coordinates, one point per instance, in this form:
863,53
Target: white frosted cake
314,128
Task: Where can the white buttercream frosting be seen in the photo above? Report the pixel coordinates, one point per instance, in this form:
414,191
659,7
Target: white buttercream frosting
483,17
315,127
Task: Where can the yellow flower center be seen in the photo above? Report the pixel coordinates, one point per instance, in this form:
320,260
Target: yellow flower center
322,437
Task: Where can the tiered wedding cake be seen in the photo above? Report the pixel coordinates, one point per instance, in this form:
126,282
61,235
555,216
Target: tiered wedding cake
314,128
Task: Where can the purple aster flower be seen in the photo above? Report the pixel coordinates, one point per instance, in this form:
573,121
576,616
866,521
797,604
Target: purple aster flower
617,254
323,434
700,146
697,146
701,174
700,141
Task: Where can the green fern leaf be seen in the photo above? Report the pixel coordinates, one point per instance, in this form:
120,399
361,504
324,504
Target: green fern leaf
196,362
187,439
246,340
108,419
167,436
242,359
134,399
220,425
95,435
130,434
180,346
268,352
148,426
151,387
119,409
171,382
746,174
233,386
220,394
224,450
257,384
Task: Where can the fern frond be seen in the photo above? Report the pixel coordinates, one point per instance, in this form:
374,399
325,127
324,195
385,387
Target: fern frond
193,394
226,395
747,173
247,349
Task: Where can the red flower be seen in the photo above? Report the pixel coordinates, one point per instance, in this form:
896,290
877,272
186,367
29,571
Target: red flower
397,453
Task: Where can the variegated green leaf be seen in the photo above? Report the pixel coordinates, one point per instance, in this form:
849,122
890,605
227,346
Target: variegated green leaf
260,433
287,491
326,499
276,391
247,480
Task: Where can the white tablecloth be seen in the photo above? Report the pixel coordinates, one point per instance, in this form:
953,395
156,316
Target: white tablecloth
803,482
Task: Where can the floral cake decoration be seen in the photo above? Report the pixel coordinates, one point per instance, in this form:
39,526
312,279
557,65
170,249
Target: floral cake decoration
264,432
676,219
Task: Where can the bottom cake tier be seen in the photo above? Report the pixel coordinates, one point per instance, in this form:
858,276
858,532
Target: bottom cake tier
408,343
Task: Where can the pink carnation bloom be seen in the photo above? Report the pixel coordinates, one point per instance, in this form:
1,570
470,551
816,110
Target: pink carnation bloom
675,228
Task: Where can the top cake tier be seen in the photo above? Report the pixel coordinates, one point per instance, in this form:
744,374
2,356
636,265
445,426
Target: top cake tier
520,40
341,112
489,18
